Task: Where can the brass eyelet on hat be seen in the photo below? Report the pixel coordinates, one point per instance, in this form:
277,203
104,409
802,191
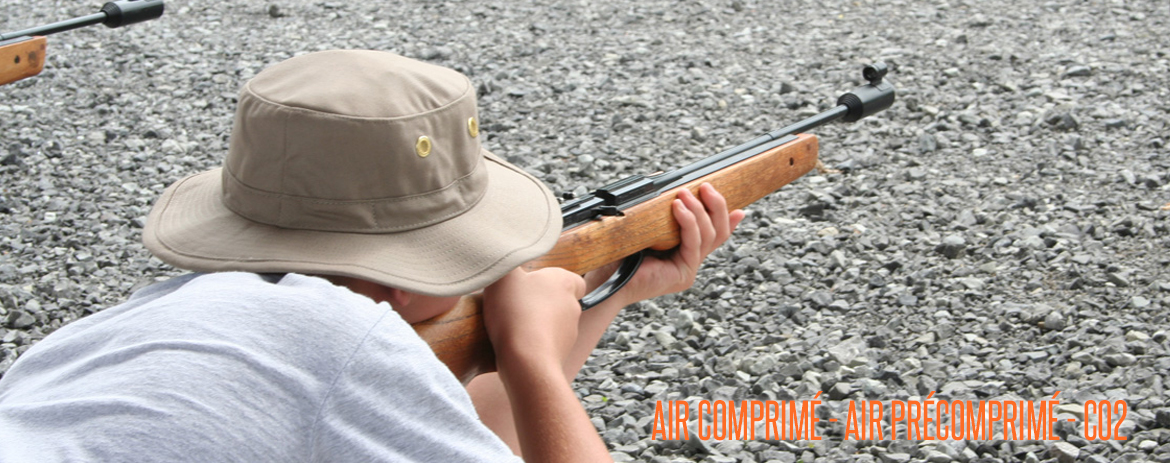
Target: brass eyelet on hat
423,146
473,127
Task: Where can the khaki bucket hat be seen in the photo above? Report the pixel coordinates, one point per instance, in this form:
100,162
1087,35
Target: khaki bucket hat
363,164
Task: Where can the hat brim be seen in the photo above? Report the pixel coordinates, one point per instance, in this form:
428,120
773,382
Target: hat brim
517,220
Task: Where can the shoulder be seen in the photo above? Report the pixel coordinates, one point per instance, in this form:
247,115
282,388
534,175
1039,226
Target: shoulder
234,357
247,301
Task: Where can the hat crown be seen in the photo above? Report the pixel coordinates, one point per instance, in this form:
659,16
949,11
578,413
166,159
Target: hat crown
341,153
362,83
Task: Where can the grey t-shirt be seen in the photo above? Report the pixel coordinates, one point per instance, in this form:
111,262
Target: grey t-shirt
231,367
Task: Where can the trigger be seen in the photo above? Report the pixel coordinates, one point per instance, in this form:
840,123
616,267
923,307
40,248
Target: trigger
615,282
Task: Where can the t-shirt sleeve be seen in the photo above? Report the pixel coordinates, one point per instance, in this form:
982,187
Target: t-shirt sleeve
395,401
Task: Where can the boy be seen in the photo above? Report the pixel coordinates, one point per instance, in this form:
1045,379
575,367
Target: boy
355,199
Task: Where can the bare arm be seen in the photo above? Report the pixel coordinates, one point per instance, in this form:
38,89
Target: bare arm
550,422
705,224
532,319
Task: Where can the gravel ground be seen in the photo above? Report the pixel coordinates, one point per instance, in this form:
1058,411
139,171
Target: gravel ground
1001,232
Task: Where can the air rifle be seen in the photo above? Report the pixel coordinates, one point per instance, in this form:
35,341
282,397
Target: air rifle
22,53
623,219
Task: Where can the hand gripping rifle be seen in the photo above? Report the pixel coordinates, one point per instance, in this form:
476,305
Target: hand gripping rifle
623,219
22,53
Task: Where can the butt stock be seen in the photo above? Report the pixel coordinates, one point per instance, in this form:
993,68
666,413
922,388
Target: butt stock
458,336
460,340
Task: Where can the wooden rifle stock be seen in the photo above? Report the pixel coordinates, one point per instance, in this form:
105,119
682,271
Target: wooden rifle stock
21,58
458,336
459,339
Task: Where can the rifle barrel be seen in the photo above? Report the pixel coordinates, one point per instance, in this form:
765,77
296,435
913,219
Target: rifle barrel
113,14
810,123
60,26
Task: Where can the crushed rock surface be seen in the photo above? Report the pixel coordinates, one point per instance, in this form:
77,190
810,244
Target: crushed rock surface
1000,233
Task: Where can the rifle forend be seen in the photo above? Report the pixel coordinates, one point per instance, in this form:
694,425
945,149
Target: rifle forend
22,53
620,220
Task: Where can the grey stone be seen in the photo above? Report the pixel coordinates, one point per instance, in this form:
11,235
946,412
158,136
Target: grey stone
837,259
1162,419
1063,121
1118,279
1054,321
1120,359
1078,71
952,246
840,391
927,143
1032,242
782,458
698,446
761,365
975,284
274,11
847,350
19,319
821,298
1127,176
1064,452
894,457
935,456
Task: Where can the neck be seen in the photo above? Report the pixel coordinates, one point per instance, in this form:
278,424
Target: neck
412,307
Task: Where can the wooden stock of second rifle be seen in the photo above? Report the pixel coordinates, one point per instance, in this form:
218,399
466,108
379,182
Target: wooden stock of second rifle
21,59
458,336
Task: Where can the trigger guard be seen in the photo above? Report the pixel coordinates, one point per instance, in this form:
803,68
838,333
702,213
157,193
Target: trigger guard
615,282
